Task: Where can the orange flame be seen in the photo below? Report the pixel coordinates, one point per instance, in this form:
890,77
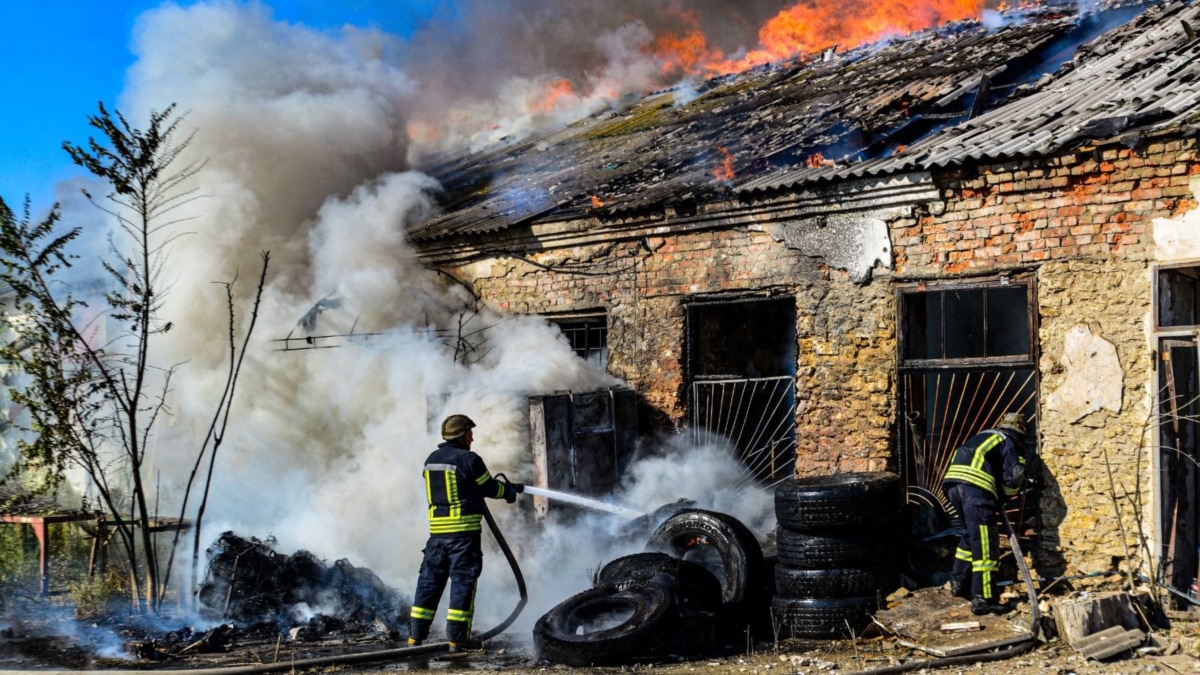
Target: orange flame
687,52
815,160
596,202
422,132
556,91
809,27
724,172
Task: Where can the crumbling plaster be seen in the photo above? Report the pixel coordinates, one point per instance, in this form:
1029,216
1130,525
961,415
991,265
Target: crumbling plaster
1179,238
851,242
1094,414
1094,379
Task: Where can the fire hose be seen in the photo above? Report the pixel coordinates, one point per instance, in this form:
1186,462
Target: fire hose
999,655
362,657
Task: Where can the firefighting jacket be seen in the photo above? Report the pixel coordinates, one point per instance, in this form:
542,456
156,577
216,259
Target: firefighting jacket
991,461
456,483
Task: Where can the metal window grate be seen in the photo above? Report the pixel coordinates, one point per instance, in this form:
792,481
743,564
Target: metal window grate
588,338
757,416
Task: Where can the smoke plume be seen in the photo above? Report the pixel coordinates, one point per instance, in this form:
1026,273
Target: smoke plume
306,140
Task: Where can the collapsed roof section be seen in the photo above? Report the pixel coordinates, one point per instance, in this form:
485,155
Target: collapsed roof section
956,94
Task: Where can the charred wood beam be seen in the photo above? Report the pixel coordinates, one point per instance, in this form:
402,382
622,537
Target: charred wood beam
981,96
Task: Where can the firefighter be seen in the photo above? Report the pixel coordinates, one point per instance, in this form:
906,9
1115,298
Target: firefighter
456,483
986,471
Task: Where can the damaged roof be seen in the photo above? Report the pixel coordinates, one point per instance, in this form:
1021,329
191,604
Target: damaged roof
957,94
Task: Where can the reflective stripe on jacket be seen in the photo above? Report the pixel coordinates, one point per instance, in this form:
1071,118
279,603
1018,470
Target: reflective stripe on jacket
989,460
456,483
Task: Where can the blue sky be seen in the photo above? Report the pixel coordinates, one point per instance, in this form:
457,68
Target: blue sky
58,58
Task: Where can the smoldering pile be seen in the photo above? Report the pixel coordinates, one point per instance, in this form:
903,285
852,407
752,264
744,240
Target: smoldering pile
248,582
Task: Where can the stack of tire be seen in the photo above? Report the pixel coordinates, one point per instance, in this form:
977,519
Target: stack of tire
838,544
700,575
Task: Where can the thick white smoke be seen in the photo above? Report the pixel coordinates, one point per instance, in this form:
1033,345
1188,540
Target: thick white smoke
305,139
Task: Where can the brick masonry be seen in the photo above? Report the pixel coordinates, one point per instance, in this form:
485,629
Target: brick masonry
1081,222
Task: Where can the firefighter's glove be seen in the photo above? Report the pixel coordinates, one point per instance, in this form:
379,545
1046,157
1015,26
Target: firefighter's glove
519,487
510,496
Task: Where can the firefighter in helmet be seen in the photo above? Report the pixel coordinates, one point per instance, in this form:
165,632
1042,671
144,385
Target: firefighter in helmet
985,472
456,483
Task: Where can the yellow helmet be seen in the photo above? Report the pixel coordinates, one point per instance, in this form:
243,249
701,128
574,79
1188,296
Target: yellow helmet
1013,421
455,426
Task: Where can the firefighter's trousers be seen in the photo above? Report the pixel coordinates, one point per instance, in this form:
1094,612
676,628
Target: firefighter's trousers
977,560
457,558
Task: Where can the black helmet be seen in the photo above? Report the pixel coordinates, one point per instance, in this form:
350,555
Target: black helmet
455,426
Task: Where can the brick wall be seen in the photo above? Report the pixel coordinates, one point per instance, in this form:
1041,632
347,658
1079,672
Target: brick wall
846,342
1081,222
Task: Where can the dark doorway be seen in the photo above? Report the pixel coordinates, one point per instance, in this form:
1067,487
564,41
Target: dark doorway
1177,312
741,365
967,357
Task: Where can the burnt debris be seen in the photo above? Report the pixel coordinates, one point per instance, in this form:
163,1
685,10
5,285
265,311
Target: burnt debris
248,582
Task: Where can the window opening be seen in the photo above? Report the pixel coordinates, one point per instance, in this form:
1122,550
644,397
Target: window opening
741,365
967,357
1178,297
588,337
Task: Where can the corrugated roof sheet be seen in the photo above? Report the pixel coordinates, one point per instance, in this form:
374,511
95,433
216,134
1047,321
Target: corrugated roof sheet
1033,87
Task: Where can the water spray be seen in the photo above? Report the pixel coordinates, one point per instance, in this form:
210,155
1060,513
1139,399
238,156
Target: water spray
583,501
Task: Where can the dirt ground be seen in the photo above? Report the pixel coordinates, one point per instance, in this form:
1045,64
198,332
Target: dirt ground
885,646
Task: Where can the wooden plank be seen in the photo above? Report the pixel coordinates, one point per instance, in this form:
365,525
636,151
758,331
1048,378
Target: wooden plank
916,621
968,648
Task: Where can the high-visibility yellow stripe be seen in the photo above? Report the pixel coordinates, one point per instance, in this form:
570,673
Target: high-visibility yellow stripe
981,452
421,613
972,476
484,478
973,473
459,615
451,524
963,555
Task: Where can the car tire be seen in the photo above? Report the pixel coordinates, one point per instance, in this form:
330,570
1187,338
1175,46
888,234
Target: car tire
839,500
693,586
605,625
834,550
721,543
836,583
822,617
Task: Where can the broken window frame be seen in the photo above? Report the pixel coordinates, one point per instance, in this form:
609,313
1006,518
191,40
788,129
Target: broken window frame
1176,544
1174,329
593,326
1028,359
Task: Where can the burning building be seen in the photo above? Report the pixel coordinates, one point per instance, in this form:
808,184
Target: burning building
854,260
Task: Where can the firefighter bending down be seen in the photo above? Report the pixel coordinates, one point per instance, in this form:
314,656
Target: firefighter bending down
456,483
986,471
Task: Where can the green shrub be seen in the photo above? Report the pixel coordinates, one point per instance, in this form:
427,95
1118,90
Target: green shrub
101,596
